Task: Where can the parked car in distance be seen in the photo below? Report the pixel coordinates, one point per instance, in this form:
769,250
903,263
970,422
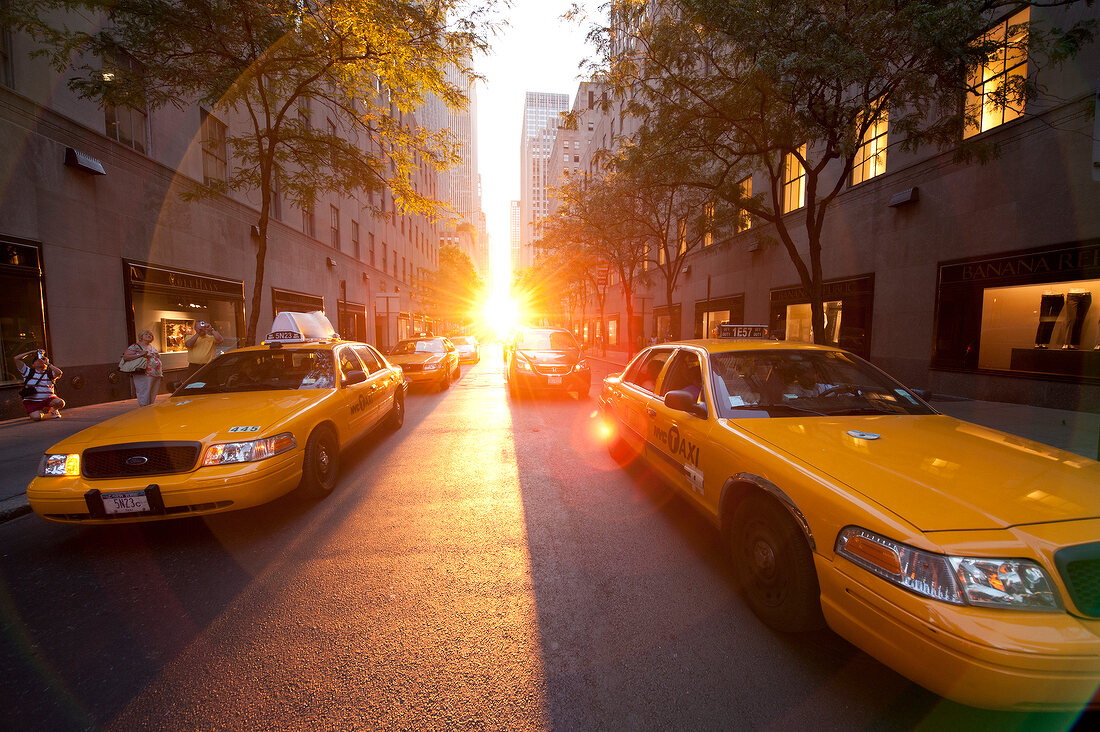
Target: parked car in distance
469,350
546,359
431,360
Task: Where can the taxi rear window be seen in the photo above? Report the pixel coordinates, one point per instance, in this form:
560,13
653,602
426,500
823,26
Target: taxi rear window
274,370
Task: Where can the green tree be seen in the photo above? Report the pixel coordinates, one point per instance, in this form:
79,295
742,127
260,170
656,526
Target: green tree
674,219
266,62
591,223
730,88
453,293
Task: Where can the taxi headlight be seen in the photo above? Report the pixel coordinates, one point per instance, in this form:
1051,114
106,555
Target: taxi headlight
977,581
432,366
248,452
59,465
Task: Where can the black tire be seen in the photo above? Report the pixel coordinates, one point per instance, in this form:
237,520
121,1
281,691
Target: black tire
396,417
446,382
584,391
321,464
513,390
458,371
774,567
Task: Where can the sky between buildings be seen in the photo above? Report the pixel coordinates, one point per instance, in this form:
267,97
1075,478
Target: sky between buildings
537,52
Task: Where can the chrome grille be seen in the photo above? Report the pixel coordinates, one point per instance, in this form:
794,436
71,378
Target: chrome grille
553,369
1080,569
412,367
139,458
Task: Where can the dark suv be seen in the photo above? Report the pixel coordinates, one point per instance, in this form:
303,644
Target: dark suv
546,359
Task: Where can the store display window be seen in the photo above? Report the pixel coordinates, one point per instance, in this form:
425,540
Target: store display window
171,302
848,308
1029,312
22,316
1039,327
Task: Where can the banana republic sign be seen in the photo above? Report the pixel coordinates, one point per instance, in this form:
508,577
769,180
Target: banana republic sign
1033,267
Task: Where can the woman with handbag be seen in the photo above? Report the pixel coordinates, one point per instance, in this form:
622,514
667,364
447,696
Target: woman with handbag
39,398
142,360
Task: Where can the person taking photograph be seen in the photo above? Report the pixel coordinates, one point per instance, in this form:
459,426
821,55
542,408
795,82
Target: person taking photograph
39,398
200,346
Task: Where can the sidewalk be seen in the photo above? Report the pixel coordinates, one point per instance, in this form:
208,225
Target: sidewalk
22,442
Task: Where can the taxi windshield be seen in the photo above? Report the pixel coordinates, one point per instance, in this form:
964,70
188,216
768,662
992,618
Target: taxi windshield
240,371
405,348
797,383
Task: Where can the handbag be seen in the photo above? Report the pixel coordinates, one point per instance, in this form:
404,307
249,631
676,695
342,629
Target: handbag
138,364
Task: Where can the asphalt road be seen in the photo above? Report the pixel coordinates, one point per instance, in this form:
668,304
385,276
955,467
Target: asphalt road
486,567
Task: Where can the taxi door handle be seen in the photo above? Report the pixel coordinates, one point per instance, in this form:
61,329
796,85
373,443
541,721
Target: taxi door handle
651,411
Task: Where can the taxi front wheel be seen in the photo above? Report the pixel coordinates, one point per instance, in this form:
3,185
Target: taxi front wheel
322,461
774,567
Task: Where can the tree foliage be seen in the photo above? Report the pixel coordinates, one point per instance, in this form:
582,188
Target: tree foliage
453,293
268,63
731,88
592,222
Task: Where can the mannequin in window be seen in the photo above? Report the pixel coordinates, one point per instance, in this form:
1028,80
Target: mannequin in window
1050,307
1077,308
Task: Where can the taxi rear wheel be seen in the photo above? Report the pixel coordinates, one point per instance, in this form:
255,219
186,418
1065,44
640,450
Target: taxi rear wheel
322,461
774,566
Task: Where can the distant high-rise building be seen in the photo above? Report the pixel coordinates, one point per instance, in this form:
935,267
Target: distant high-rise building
460,185
515,226
541,112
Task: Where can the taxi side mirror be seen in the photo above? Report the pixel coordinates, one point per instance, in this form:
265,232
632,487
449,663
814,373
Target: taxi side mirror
684,401
355,377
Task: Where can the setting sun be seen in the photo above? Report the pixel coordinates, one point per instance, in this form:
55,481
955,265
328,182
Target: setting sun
501,315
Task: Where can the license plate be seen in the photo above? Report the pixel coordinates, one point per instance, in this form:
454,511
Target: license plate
553,380
128,502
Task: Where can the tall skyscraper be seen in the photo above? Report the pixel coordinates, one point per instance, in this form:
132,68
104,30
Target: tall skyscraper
541,112
515,217
460,185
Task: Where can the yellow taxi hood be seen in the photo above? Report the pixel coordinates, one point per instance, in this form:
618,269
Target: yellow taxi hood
199,417
940,473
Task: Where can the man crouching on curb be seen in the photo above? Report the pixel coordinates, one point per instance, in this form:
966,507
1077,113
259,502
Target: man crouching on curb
39,398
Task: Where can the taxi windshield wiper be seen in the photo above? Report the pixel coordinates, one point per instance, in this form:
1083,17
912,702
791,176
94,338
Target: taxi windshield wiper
791,407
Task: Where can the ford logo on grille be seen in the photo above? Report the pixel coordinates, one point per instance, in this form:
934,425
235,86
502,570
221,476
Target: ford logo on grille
137,460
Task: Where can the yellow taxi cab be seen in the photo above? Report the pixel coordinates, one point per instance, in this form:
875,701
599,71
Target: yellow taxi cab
431,360
965,558
250,426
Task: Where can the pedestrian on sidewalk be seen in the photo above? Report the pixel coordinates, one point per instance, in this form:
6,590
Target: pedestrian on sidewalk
39,398
146,379
200,346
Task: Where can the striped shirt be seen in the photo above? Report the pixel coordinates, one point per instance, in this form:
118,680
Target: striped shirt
40,381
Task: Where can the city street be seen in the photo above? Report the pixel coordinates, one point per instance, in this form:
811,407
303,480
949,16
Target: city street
488,566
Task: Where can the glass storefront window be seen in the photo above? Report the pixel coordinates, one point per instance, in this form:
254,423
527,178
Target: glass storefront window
172,319
799,328
613,332
1030,327
22,324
